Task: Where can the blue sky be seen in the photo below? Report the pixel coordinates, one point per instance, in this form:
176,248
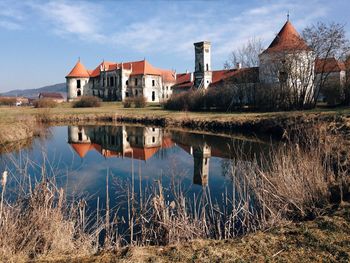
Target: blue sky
42,40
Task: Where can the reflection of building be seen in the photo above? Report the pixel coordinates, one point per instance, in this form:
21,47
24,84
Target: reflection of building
118,141
79,141
201,157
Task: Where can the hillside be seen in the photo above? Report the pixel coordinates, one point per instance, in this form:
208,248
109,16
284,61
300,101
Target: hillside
31,93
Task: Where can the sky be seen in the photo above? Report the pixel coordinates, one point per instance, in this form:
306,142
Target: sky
42,40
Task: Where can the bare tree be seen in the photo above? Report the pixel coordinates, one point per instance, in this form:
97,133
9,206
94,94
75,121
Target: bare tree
327,41
247,55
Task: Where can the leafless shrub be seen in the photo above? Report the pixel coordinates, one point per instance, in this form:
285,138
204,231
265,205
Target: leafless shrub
8,101
87,102
127,103
140,102
45,103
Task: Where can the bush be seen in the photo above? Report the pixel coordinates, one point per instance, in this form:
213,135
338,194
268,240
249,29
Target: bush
127,103
140,102
192,100
7,101
45,103
87,102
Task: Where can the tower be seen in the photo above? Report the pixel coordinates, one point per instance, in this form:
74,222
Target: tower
77,81
202,73
201,157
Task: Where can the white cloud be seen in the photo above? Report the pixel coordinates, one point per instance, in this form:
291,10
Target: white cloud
81,19
11,16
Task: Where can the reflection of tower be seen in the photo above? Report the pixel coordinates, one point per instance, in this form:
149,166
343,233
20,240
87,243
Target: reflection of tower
201,157
79,140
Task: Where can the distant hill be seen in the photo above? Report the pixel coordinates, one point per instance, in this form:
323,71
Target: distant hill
33,93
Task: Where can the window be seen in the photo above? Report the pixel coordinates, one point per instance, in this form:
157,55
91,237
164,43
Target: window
78,84
167,87
136,92
153,96
153,139
206,161
136,140
111,81
207,67
135,82
153,82
154,129
78,92
80,136
126,94
127,82
283,76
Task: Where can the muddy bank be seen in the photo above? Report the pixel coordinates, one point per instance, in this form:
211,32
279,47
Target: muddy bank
273,125
17,131
278,126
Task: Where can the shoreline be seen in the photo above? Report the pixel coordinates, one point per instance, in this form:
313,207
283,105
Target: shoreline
274,125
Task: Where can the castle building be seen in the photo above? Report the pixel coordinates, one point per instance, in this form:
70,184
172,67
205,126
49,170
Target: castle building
288,50
117,81
288,60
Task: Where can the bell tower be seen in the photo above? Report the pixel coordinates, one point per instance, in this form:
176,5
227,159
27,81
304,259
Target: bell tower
202,72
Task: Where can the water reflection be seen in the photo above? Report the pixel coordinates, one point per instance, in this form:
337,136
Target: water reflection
142,143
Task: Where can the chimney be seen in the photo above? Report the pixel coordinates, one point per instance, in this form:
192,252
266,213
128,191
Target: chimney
238,65
191,77
187,71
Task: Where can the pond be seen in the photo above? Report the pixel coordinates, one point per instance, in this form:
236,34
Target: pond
84,160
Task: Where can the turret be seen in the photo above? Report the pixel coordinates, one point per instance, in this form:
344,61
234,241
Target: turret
77,81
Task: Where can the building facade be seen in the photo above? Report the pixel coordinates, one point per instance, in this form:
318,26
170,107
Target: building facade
117,81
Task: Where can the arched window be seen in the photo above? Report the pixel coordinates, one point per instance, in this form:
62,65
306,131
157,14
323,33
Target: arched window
78,92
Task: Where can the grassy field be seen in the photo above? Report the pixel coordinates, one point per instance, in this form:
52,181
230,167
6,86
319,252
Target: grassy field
9,114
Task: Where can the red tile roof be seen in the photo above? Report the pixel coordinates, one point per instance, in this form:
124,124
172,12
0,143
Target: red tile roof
79,71
246,75
51,95
81,148
183,80
142,67
329,65
105,64
135,152
288,39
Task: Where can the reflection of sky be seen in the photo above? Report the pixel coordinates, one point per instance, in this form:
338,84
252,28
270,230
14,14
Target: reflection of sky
87,176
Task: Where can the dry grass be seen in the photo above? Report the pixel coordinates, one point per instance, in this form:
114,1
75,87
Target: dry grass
42,224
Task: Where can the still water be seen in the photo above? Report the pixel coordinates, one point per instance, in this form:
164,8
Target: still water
79,158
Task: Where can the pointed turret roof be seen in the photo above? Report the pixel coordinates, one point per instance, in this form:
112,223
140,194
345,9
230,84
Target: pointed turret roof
288,39
79,71
81,148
